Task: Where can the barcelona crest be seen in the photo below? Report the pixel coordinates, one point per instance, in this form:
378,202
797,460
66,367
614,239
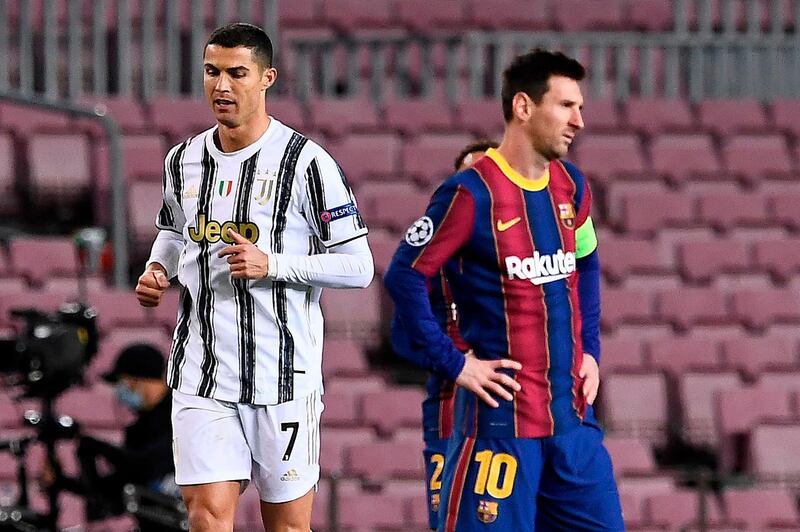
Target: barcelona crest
567,215
487,511
435,501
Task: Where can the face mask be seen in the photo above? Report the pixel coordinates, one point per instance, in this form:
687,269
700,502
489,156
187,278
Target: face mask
128,397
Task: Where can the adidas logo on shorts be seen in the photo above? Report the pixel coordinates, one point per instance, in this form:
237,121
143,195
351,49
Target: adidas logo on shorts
290,476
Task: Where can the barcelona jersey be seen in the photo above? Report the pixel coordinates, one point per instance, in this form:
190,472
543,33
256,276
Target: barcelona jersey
511,244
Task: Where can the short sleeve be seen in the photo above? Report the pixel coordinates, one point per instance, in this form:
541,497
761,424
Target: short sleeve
330,205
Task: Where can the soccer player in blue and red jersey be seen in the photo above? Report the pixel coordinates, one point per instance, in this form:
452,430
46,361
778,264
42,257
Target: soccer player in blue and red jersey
520,251
437,408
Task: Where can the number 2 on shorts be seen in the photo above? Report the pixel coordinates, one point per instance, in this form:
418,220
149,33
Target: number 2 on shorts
294,426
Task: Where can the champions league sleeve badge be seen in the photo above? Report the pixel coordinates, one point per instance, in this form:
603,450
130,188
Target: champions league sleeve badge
420,232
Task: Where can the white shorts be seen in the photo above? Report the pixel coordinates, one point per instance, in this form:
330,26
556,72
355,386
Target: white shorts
277,446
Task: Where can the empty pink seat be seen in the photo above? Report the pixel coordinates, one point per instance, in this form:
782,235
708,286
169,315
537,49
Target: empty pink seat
383,245
24,120
59,167
658,115
377,511
429,157
619,353
632,255
602,114
701,261
413,116
354,313
338,116
756,354
680,508
504,14
364,156
180,117
342,356
780,257
39,257
783,208
386,459
287,110
128,113
760,508
144,203
626,305
10,414
697,396
759,308
643,210
575,15
757,156
481,117
630,456
427,16
624,410
381,206
693,306
732,116
780,380
786,115
737,411
653,15
724,209
9,202
143,157
679,354
334,445
117,307
609,157
683,156
405,404
347,15
341,409
298,13
94,407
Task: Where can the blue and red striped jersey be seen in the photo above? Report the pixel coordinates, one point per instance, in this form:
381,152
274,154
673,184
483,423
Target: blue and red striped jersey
514,243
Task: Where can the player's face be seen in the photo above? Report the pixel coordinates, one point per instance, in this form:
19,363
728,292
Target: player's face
470,159
553,123
234,84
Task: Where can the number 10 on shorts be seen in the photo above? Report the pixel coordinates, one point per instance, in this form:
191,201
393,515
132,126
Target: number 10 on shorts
496,474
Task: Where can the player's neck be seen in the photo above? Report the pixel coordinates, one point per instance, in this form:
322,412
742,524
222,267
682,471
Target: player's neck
521,156
232,139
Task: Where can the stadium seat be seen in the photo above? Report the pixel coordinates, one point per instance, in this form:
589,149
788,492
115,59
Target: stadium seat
780,257
621,354
69,288
755,157
602,115
418,115
37,258
754,355
726,207
298,13
335,442
788,381
786,115
632,255
630,456
341,408
354,313
697,392
10,415
143,157
345,15
372,511
576,15
128,113
343,357
759,308
9,202
58,168
481,117
144,203
679,509
367,156
783,208
386,459
647,208
505,14
592,154
760,508
626,305
94,407
429,158
736,412
380,208
338,116
728,116
425,16
26,299
693,306
179,118
680,157
680,354
702,261
654,116
287,111
405,404
22,120
652,15
625,412
117,307
383,244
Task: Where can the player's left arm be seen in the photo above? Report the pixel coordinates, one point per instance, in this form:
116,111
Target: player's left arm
588,266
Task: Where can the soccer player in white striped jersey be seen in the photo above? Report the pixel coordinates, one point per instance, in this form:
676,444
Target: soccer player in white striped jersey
256,220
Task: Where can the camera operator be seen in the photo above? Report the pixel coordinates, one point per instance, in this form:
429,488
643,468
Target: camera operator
145,457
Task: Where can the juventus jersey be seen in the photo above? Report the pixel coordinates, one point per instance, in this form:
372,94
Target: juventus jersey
241,340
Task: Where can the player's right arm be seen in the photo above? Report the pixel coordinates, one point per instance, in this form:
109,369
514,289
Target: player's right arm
417,335
168,245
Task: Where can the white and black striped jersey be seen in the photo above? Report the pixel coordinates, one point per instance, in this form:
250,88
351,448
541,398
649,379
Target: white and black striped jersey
246,341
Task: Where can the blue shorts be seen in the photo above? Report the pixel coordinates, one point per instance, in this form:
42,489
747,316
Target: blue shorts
562,482
434,454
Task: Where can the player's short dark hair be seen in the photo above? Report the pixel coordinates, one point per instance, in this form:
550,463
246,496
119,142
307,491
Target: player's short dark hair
247,35
478,145
530,73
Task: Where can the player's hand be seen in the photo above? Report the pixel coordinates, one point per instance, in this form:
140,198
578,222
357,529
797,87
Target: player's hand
245,259
483,378
151,285
590,373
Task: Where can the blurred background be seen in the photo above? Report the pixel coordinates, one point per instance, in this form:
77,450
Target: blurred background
691,147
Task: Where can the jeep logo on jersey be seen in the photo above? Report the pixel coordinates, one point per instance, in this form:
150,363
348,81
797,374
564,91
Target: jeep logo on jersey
541,269
213,231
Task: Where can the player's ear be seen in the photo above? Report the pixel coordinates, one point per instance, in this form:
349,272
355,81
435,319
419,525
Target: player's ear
268,78
522,106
